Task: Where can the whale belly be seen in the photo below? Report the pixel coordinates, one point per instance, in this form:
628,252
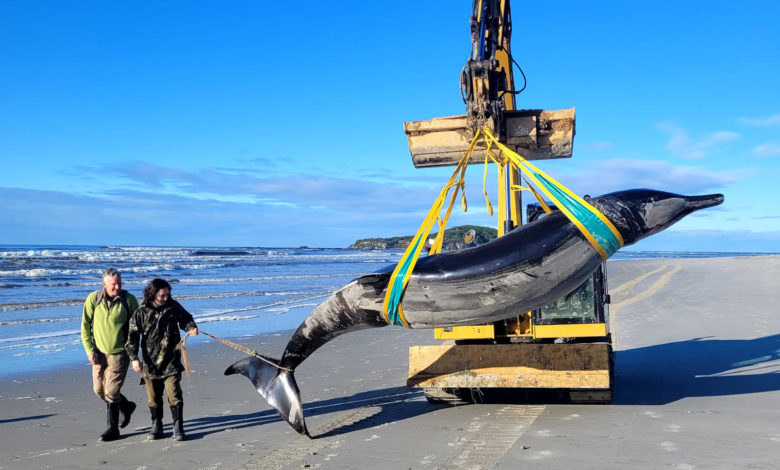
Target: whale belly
485,295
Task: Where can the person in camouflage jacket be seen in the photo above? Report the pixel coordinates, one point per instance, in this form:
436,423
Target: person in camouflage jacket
155,327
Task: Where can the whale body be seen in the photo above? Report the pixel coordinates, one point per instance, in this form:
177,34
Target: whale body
525,269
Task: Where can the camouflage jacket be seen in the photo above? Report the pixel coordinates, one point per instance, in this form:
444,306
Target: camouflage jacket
157,332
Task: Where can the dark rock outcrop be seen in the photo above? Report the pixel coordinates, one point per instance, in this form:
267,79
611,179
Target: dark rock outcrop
453,239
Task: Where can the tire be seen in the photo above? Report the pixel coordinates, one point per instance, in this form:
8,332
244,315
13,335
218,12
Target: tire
447,396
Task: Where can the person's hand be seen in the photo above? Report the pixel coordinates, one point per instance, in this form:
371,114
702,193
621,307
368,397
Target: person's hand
93,358
137,365
193,332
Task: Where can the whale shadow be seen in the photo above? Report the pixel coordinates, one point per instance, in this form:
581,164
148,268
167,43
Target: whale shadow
392,404
650,375
698,367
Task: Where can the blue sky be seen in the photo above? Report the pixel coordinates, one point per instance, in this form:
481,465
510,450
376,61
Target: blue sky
250,123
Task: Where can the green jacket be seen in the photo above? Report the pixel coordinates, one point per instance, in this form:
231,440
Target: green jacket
104,322
156,330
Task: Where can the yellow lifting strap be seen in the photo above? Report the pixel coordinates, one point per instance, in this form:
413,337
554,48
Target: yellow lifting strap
599,231
392,306
594,225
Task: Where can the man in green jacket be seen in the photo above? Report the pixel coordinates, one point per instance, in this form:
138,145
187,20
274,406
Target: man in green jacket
104,326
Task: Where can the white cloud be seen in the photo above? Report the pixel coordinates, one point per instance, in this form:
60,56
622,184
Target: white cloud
683,145
298,190
767,150
166,205
625,173
773,120
289,212
49,217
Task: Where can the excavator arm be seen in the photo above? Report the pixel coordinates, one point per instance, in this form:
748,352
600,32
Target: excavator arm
488,91
486,82
517,352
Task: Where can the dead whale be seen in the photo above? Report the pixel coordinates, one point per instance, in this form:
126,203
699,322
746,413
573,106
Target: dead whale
520,271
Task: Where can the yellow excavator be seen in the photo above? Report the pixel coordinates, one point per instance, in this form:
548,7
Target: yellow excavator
564,346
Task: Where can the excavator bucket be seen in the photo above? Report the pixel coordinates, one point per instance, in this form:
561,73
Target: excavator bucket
535,134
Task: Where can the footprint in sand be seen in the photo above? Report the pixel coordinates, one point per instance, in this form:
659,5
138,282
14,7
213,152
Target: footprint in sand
542,455
669,446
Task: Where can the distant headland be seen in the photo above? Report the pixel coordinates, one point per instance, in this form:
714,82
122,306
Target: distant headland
453,239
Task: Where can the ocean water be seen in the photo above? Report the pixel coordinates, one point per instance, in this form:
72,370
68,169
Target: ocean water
231,292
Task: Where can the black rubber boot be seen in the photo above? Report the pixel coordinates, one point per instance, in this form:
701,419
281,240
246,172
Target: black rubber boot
112,417
126,408
157,424
178,425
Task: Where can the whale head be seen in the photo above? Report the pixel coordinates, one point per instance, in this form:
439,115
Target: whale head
639,213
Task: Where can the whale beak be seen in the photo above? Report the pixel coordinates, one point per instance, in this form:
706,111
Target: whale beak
694,203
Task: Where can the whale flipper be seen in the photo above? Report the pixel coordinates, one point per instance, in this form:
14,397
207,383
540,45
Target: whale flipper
276,385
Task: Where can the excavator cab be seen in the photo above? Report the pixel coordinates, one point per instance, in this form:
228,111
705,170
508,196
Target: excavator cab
582,314
586,308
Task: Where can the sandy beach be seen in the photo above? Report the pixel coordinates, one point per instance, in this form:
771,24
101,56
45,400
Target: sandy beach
697,384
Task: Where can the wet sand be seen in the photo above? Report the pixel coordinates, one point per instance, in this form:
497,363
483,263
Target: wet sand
697,385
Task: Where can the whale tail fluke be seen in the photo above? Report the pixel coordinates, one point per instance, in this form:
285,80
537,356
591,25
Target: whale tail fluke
276,385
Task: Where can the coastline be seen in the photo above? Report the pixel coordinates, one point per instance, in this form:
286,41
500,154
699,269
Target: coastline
39,330
697,376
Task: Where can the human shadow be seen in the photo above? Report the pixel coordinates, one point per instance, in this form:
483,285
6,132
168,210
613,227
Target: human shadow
390,404
26,418
699,367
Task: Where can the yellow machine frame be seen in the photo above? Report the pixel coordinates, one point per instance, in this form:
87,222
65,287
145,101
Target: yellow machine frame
509,217
515,352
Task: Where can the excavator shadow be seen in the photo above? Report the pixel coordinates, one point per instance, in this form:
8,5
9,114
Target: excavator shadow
655,375
698,367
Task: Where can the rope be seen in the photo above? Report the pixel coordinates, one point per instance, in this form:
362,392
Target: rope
596,228
185,360
392,311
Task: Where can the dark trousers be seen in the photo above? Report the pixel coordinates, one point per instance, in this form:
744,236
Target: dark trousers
172,386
